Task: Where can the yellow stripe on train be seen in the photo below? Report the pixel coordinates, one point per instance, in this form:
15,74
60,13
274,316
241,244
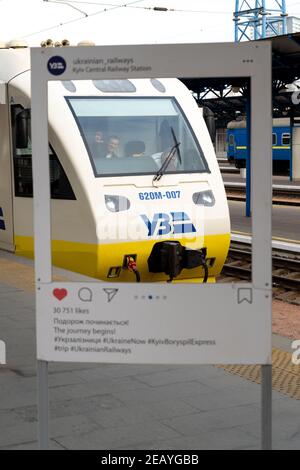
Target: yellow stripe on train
281,147
95,260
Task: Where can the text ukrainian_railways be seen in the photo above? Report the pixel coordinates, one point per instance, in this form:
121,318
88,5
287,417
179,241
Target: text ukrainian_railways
114,64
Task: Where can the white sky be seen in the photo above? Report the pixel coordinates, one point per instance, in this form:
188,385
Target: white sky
36,20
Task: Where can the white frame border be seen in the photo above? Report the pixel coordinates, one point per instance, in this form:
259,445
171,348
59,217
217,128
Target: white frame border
183,61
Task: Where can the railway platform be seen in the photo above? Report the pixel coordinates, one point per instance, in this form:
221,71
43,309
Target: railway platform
135,406
286,221
281,181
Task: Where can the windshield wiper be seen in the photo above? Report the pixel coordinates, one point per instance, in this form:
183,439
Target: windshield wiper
169,157
177,145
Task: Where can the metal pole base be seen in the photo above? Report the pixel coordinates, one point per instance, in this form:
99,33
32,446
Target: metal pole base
266,407
43,405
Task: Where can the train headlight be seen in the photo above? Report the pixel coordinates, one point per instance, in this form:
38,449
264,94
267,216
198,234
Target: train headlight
117,203
204,198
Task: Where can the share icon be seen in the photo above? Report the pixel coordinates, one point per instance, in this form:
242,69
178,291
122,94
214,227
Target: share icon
110,293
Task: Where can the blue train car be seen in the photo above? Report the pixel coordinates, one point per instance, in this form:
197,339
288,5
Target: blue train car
237,143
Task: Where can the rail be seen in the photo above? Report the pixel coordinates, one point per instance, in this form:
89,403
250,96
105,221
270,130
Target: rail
285,273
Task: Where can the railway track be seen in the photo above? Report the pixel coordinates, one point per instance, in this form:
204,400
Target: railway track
285,274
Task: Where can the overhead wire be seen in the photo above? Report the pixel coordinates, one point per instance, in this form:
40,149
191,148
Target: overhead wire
155,8
74,20
69,4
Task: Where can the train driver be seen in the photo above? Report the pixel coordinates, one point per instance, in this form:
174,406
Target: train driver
113,147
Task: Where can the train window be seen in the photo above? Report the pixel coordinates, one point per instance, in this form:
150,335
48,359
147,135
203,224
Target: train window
133,136
286,138
274,139
60,185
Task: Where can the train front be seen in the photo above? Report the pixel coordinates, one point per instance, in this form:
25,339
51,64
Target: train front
157,196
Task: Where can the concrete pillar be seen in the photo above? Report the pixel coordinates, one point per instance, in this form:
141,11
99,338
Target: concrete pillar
296,153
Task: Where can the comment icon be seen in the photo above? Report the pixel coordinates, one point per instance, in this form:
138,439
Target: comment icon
85,294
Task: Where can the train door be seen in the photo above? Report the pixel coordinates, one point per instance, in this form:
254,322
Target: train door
6,202
23,181
231,147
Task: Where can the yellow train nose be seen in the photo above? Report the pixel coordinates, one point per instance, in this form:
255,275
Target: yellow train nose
106,261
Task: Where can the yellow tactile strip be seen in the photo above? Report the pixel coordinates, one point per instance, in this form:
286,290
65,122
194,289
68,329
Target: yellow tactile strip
20,276
285,375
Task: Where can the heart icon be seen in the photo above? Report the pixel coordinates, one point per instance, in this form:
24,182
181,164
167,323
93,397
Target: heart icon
60,293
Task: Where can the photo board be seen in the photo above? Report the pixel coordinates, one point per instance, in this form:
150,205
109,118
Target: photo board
152,322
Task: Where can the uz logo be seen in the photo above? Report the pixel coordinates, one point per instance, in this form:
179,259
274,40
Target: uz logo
55,65
164,224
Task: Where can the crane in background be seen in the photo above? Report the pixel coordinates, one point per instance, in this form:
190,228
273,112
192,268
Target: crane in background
258,19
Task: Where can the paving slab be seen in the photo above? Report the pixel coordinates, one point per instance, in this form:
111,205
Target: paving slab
232,439
119,437
142,413
113,406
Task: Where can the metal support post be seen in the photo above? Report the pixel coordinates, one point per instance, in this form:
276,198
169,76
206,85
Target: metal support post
43,405
266,407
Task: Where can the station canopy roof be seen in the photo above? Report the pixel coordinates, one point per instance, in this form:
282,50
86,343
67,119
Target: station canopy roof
286,57
220,94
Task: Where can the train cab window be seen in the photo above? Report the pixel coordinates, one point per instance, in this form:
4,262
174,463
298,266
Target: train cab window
60,185
274,139
152,127
286,138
